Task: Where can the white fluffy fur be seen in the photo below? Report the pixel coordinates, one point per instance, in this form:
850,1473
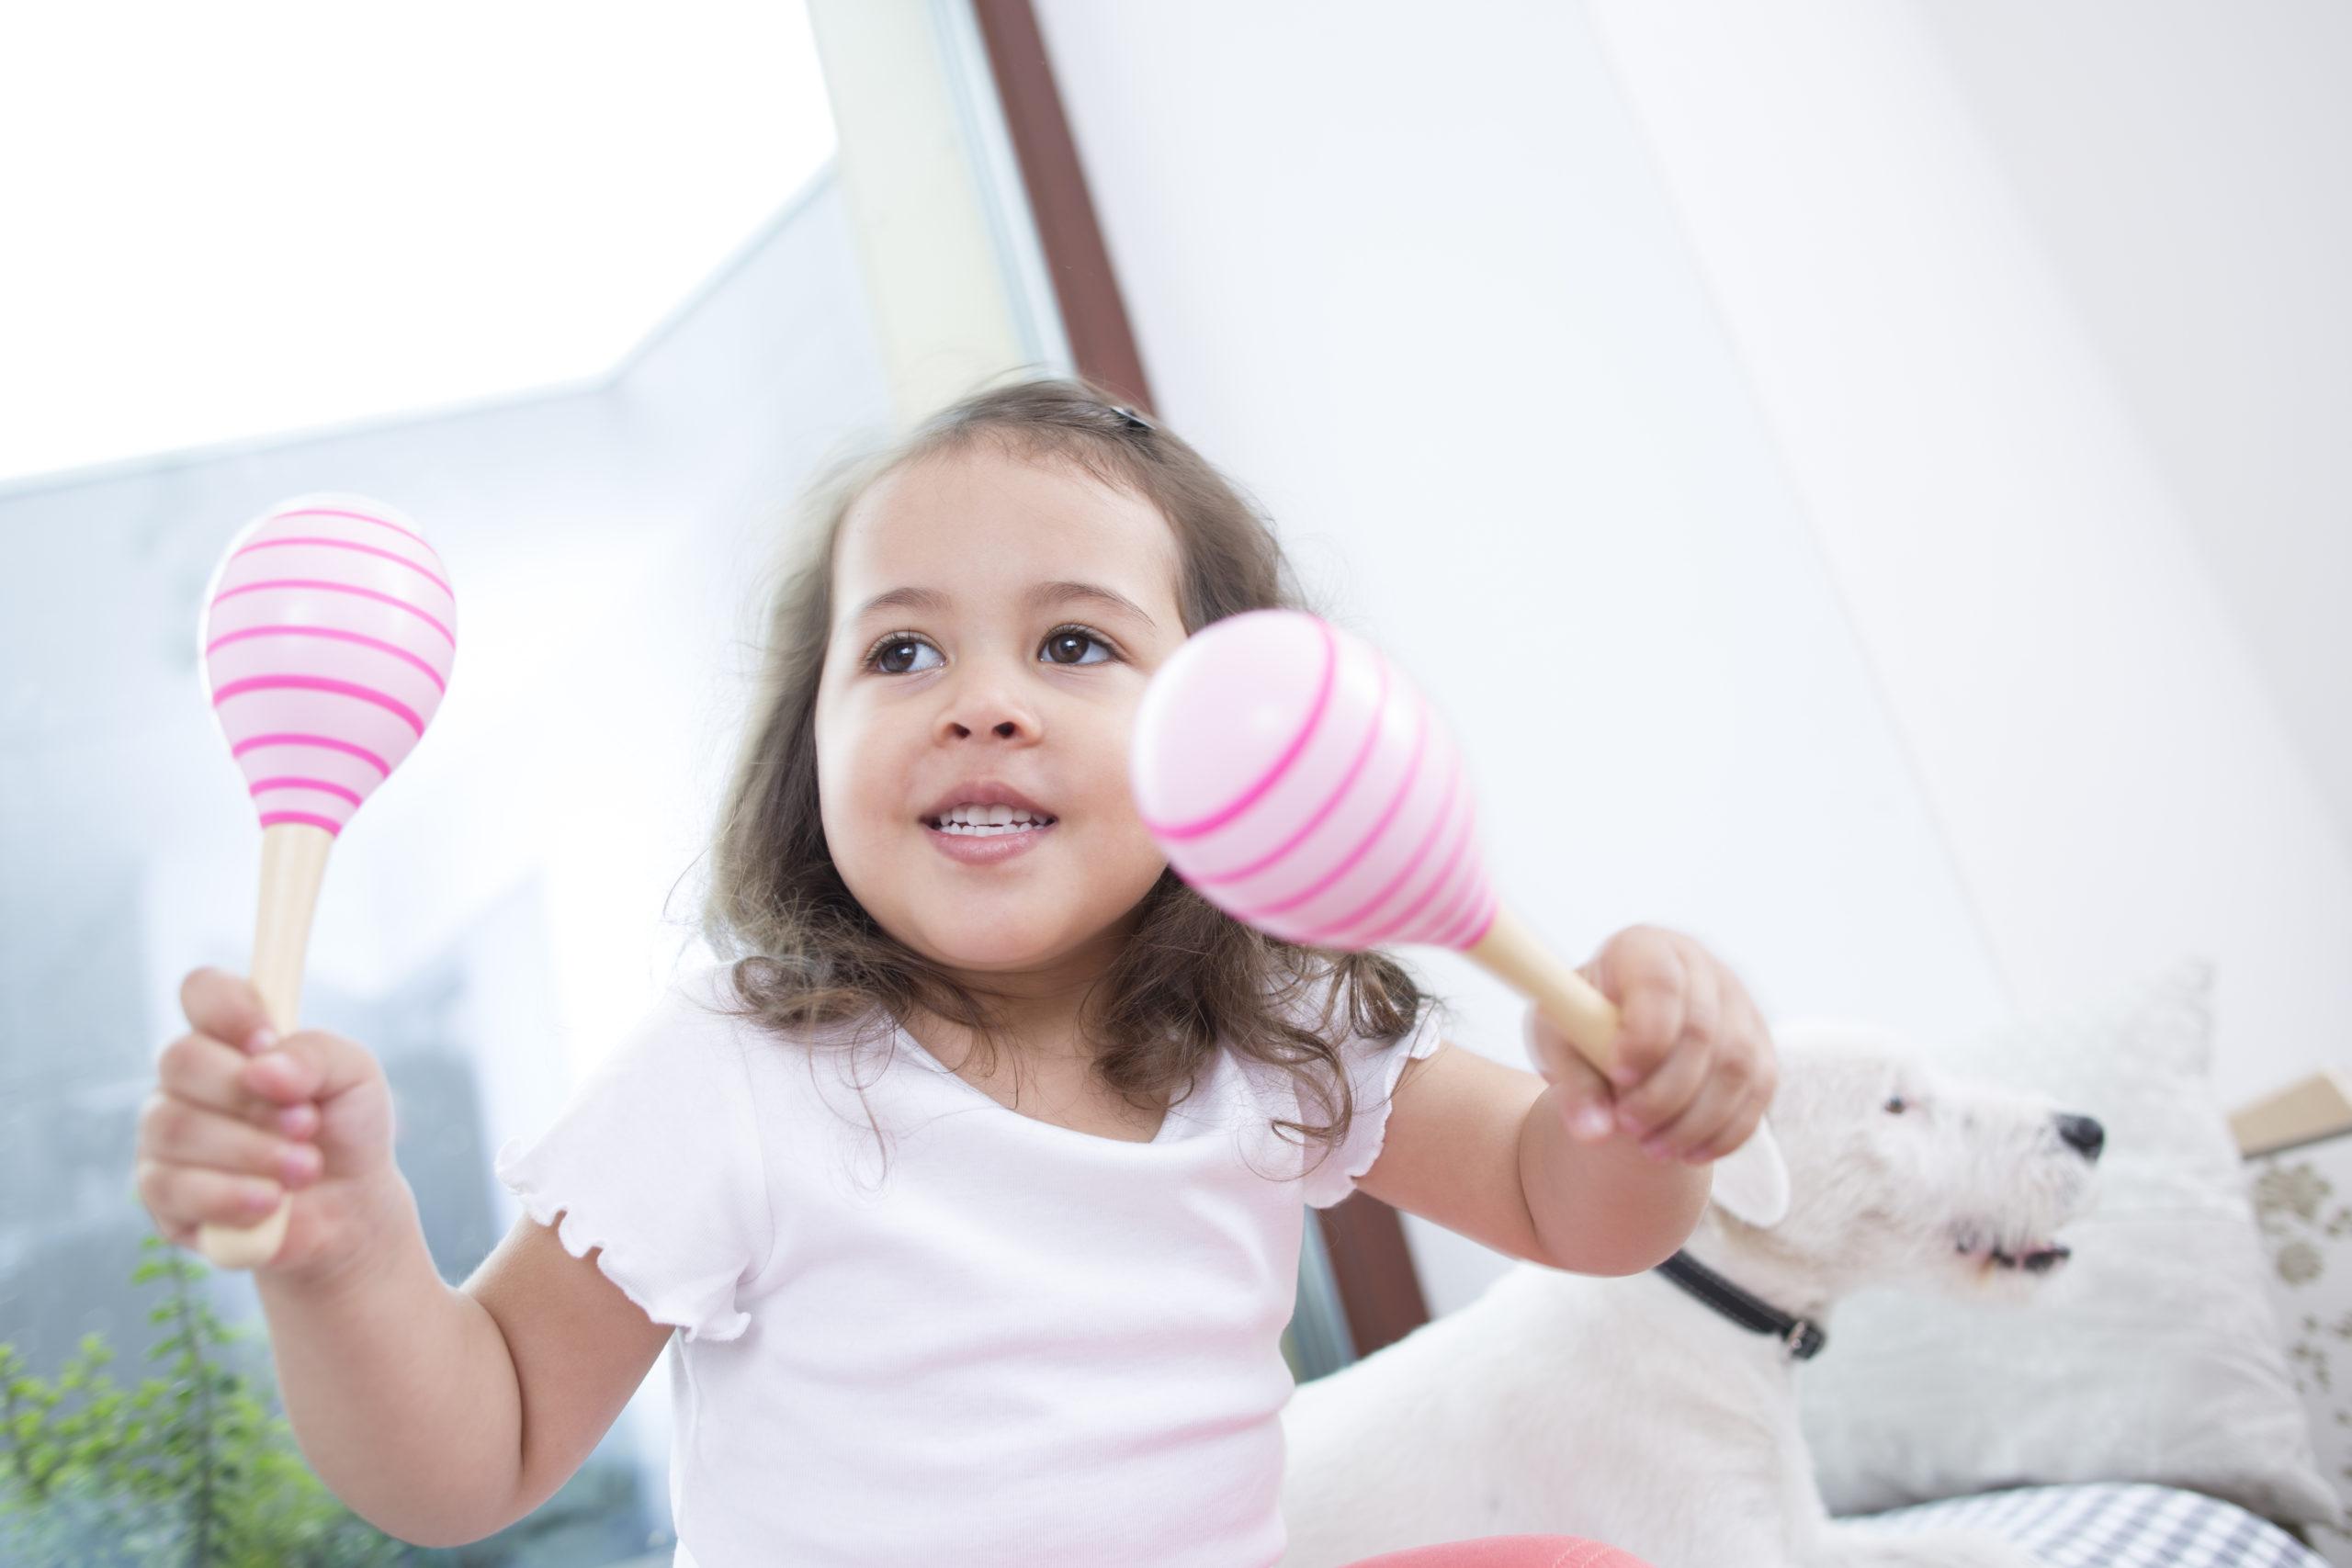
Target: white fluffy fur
1623,1411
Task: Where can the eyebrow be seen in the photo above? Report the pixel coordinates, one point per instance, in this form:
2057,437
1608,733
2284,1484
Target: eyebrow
1038,597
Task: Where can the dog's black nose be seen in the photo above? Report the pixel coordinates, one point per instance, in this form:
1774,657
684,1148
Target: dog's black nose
2086,1136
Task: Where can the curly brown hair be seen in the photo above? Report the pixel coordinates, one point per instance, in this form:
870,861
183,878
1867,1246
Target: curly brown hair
804,956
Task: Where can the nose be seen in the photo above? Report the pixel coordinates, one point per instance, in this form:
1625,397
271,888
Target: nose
989,705
2085,1136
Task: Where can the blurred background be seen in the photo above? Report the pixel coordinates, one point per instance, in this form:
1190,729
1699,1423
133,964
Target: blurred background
1866,481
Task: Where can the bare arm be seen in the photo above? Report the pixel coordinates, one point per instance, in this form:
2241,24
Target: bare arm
1689,1072
1605,1207
445,1414
442,1415
1481,1149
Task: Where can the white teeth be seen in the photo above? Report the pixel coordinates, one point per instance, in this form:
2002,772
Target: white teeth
990,816
990,830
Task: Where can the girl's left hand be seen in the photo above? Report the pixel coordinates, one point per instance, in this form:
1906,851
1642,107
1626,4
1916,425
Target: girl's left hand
1693,1065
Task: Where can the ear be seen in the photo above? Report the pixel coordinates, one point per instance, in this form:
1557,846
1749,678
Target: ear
1752,1181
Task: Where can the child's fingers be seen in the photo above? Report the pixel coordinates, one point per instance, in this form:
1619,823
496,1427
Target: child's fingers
1666,1093
173,1133
1585,1098
181,1197
311,1064
1752,1074
1732,1136
1719,1100
201,1070
1641,970
1587,1107
223,1005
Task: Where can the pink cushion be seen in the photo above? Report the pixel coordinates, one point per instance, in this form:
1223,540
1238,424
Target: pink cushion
1507,1551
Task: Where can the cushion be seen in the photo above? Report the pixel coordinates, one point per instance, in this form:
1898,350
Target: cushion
2302,1199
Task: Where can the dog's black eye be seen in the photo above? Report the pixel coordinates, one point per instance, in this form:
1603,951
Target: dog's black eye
1894,1106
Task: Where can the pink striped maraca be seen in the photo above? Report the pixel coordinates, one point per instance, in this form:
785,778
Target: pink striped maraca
1302,785
328,635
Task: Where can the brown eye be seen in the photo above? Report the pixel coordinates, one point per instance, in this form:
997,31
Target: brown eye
884,657
1894,1106
1074,638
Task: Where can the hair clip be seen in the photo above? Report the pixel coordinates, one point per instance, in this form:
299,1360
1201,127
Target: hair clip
1134,421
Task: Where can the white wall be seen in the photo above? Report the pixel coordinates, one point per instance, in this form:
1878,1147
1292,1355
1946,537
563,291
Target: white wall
1776,591
2187,170
2116,770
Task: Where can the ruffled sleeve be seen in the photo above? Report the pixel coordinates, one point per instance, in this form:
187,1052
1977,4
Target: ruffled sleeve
1373,1066
656,1160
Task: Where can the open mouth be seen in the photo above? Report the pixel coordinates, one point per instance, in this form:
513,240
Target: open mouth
2029,1258
2037,1259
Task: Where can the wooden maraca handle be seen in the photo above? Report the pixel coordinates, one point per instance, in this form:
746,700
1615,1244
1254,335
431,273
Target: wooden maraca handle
1752,1182
1568,1002
293,864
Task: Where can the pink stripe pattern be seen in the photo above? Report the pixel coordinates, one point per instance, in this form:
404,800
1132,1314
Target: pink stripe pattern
398,710
1273,775
1304,787
321,586
293,540
394,649
323,742
1370,735
1363,845
328,638
325,787
1358,917
355,517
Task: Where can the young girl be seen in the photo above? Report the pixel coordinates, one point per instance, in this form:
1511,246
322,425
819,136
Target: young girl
971,1184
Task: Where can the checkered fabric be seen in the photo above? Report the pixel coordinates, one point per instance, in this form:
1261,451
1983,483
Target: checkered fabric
2106,1525
1507,1551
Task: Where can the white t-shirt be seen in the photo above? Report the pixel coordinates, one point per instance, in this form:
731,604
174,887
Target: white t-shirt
1020,1344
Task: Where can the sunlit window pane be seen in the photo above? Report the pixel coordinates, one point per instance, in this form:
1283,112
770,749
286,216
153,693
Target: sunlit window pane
233,221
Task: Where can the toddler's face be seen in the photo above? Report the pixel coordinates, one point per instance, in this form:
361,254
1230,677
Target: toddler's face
987,681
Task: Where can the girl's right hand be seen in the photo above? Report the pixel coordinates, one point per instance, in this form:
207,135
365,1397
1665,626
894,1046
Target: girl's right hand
232,1129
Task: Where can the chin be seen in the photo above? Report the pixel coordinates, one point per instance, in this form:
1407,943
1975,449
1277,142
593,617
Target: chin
997,939
993,957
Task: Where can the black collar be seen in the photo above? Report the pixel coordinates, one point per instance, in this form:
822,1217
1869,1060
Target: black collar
1801,1336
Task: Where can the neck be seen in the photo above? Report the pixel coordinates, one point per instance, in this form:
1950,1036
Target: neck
1042,1012
1041,1032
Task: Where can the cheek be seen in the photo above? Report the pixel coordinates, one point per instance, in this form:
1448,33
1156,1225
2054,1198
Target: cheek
848,750
1113,816
848,814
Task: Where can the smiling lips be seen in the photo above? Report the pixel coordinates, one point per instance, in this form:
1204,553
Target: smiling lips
984,800
990,819
987,845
